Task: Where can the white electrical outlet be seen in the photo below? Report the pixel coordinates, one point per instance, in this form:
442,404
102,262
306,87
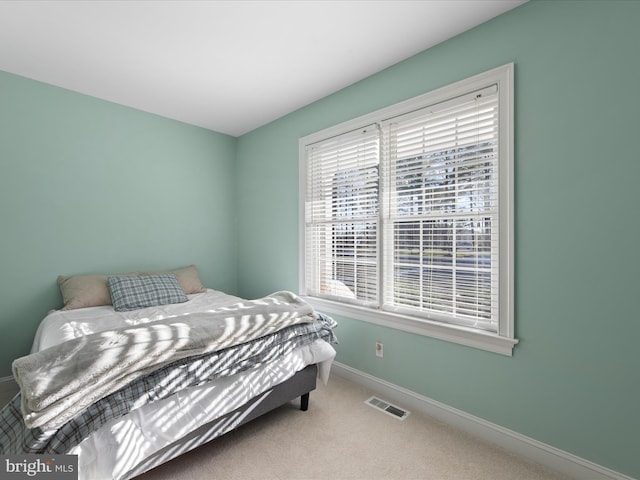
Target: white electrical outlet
379,350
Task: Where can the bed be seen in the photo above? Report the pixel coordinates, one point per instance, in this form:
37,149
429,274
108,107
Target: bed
129,386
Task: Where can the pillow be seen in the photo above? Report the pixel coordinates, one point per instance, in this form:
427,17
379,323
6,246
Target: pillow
187,277
80,291
132,293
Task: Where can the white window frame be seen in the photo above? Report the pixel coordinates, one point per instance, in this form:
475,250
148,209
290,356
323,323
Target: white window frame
503,340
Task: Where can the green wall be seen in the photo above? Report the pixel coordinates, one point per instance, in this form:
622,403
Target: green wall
573,381
90,186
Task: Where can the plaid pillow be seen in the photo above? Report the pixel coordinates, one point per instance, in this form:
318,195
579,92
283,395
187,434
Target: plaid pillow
132,293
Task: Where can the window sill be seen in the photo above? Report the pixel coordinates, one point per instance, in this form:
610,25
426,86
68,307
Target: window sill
452,333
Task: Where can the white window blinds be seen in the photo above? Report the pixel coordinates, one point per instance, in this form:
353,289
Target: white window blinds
342,217
407,212
441,211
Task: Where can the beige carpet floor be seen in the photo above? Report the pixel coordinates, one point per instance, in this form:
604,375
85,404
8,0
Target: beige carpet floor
340,437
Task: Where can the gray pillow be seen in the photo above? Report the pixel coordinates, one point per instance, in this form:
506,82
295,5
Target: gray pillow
132,293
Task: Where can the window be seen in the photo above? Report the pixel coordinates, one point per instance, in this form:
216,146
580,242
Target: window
406,214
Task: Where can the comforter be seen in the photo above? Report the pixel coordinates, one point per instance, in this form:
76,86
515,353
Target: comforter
61,381
127,368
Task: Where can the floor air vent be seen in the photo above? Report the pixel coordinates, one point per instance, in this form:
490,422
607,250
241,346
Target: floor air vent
387,408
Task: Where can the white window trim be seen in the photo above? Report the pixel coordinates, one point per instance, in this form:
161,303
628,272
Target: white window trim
504,340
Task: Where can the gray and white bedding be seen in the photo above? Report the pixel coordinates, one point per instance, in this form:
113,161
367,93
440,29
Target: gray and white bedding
206,357
61,381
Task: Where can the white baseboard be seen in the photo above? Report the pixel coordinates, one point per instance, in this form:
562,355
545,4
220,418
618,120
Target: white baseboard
554,458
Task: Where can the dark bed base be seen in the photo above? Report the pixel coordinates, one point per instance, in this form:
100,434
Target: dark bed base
299,385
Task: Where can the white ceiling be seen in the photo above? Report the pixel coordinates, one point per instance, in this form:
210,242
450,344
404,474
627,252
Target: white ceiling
228,66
